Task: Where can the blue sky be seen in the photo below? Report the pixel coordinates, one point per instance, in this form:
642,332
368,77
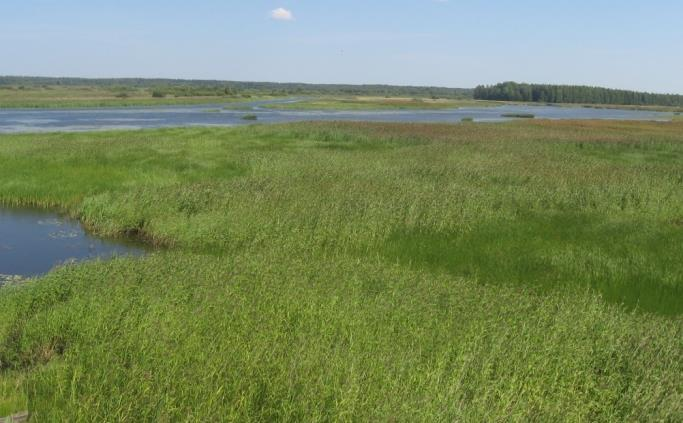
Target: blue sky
458,43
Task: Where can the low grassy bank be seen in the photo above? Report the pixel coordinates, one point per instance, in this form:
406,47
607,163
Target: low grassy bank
326,271
378,103
395,103
666,109
82,97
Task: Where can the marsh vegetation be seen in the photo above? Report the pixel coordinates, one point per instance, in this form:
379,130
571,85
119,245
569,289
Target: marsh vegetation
320,271
519,115
59,97
379,103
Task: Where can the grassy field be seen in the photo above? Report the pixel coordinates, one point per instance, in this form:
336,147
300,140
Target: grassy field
379,103
526,271
78,97
397,103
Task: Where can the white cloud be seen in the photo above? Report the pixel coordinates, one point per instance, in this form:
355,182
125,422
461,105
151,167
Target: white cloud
282,14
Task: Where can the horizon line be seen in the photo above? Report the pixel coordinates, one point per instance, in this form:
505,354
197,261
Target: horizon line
91,78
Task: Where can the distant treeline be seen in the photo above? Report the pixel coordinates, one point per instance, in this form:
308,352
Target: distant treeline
216,87
512,91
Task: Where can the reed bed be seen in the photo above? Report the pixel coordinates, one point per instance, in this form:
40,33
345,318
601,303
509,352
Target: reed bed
356,271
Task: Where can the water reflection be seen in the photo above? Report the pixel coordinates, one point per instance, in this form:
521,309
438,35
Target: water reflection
32,242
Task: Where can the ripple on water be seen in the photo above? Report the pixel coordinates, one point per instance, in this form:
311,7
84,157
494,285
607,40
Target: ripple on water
64,235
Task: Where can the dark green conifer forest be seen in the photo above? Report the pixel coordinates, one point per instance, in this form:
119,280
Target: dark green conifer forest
512,91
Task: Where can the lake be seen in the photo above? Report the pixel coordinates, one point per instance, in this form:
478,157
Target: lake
32,242
94,119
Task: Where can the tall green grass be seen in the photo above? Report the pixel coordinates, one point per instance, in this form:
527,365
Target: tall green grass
12,395
329,271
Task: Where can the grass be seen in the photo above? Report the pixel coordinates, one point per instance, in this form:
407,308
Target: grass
669,109
378,103
354,271
83,97
519,115
12,397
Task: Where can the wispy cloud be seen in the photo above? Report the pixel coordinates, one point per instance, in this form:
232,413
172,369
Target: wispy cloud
281,14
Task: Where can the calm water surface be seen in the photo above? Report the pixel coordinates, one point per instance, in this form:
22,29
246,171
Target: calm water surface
92,119
32,242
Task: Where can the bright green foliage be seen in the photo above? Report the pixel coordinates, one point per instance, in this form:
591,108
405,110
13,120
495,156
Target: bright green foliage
12,397
521,271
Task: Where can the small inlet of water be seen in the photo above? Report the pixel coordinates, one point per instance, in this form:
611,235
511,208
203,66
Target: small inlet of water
33,242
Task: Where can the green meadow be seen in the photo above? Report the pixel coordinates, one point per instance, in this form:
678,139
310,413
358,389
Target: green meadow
59,97
379,103
524,271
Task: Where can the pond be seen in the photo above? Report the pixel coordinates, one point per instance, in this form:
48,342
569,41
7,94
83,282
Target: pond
32,242
42,120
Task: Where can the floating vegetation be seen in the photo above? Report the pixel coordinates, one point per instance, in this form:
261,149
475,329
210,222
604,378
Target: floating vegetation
64,235
10,279
238,107
50,222
519,115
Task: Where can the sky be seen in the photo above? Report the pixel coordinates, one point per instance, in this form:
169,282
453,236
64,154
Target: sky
454,43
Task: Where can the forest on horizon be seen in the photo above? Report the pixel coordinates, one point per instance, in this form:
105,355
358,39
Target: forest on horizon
545,93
